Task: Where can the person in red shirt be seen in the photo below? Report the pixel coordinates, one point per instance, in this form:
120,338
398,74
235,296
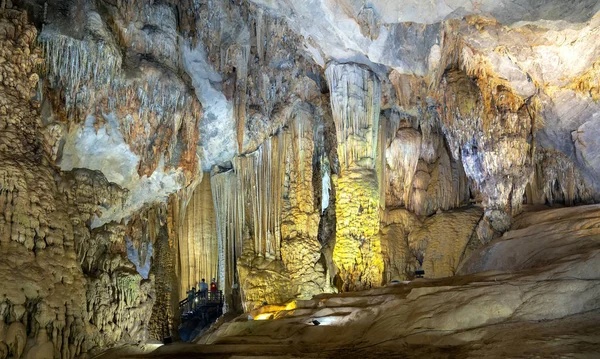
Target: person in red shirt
213,286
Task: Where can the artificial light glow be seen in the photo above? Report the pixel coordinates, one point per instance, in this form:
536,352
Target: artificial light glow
291,305
263,316
153,346
323,321
271,311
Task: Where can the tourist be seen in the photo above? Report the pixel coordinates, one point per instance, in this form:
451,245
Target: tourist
213,286
203,287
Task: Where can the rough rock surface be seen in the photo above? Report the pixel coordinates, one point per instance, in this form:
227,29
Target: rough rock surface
127,113
528,277
291,149
436,244
47,246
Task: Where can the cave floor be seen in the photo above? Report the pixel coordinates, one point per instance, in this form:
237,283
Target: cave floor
576,336
534,293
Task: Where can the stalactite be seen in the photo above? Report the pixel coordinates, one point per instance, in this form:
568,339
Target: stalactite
389,124
260,176
402,157
76,63
241,93
198,240
381,165
355,102
302,150
229,212
259,22
556,180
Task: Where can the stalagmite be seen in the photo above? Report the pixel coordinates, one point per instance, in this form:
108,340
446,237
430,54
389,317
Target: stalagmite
300,248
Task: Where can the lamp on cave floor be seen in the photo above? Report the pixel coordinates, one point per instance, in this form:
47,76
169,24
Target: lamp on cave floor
315,322
419,273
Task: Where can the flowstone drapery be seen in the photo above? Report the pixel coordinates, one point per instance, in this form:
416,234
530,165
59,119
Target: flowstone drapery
198,239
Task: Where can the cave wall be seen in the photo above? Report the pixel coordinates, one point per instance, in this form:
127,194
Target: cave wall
67,288
39,262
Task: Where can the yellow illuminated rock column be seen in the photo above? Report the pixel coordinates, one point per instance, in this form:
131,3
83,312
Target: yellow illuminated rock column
357,252
355,99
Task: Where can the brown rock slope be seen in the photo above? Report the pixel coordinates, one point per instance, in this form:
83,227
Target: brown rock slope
532,293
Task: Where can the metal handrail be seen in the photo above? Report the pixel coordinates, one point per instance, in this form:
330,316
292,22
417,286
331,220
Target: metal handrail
201,299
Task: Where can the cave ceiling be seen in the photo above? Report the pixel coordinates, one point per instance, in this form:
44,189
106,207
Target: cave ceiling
152,100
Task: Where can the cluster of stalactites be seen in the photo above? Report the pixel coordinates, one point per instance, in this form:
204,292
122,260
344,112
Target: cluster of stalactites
415,168
230,216
556,179
79,66
355,104
198,238
146,100
260,182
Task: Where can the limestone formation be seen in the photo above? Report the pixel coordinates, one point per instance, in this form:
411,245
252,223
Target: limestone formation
357,252
47,246
473,315
314,157
355,99
197,239
130,114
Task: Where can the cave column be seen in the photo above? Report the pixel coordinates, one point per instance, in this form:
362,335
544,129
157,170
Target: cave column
355,102
229,211
198,240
